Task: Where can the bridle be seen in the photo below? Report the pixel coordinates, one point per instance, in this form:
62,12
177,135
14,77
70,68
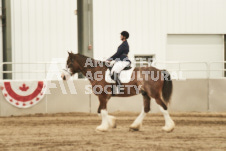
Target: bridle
67,69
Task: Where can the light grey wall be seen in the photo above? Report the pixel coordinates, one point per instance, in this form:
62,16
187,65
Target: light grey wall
191,95
217,95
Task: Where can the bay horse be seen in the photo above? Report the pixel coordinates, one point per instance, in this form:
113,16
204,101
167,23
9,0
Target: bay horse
159,88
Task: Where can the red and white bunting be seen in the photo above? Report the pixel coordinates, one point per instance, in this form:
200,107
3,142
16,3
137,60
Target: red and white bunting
23,94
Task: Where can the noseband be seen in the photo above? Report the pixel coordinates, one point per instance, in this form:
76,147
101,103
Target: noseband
68,71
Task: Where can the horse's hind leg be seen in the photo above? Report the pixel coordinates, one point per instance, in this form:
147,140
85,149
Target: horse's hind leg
169,123
138,122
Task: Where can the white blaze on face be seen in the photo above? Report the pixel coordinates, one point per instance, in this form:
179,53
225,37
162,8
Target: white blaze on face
65,73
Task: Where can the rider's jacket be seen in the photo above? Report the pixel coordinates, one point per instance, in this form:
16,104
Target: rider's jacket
121,53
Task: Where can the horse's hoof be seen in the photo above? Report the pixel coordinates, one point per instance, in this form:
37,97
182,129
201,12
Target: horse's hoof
101,128
114,126
112,122
135,127
169,129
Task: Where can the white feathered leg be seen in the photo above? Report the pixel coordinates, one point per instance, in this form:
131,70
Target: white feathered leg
138,122
169,123
105,122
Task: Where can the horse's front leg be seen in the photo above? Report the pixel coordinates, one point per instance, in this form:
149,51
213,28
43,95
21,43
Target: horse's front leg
138,122
107,120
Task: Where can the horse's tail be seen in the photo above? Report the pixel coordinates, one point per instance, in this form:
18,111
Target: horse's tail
167,88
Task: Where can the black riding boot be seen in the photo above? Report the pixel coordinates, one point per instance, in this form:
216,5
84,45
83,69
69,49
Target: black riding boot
118,83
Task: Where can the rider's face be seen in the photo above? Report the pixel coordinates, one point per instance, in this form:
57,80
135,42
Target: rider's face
122,37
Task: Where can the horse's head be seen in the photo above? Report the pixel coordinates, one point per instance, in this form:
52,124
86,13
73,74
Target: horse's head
72,67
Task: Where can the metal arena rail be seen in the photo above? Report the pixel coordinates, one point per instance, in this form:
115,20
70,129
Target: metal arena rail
189,69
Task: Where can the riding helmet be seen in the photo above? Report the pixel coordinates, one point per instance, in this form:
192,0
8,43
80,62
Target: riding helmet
125,34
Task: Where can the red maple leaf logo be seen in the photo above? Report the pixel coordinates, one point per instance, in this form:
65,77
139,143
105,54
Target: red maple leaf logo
24,87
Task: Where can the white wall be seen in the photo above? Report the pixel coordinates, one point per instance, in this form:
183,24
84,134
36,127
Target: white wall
144,20
149,22
45,29
196,16
42,30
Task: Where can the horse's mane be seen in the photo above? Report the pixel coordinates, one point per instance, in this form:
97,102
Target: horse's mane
82,60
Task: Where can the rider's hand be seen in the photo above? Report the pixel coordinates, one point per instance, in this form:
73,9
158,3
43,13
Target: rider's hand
108,60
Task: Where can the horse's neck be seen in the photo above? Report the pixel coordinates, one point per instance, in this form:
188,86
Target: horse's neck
85,69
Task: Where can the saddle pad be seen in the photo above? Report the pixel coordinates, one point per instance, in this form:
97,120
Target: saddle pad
125,76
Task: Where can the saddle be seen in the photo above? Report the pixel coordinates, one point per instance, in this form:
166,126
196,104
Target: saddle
125,75
126,68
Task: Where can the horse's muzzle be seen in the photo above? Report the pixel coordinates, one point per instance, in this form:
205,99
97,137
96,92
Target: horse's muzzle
64,77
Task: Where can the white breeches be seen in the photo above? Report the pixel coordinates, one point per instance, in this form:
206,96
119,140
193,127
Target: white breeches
119,66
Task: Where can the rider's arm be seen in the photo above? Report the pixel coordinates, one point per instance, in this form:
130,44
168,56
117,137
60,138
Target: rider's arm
118,53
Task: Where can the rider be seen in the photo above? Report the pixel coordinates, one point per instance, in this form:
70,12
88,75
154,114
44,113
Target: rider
121,59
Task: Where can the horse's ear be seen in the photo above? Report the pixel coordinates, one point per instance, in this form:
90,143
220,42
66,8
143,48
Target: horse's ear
70,53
